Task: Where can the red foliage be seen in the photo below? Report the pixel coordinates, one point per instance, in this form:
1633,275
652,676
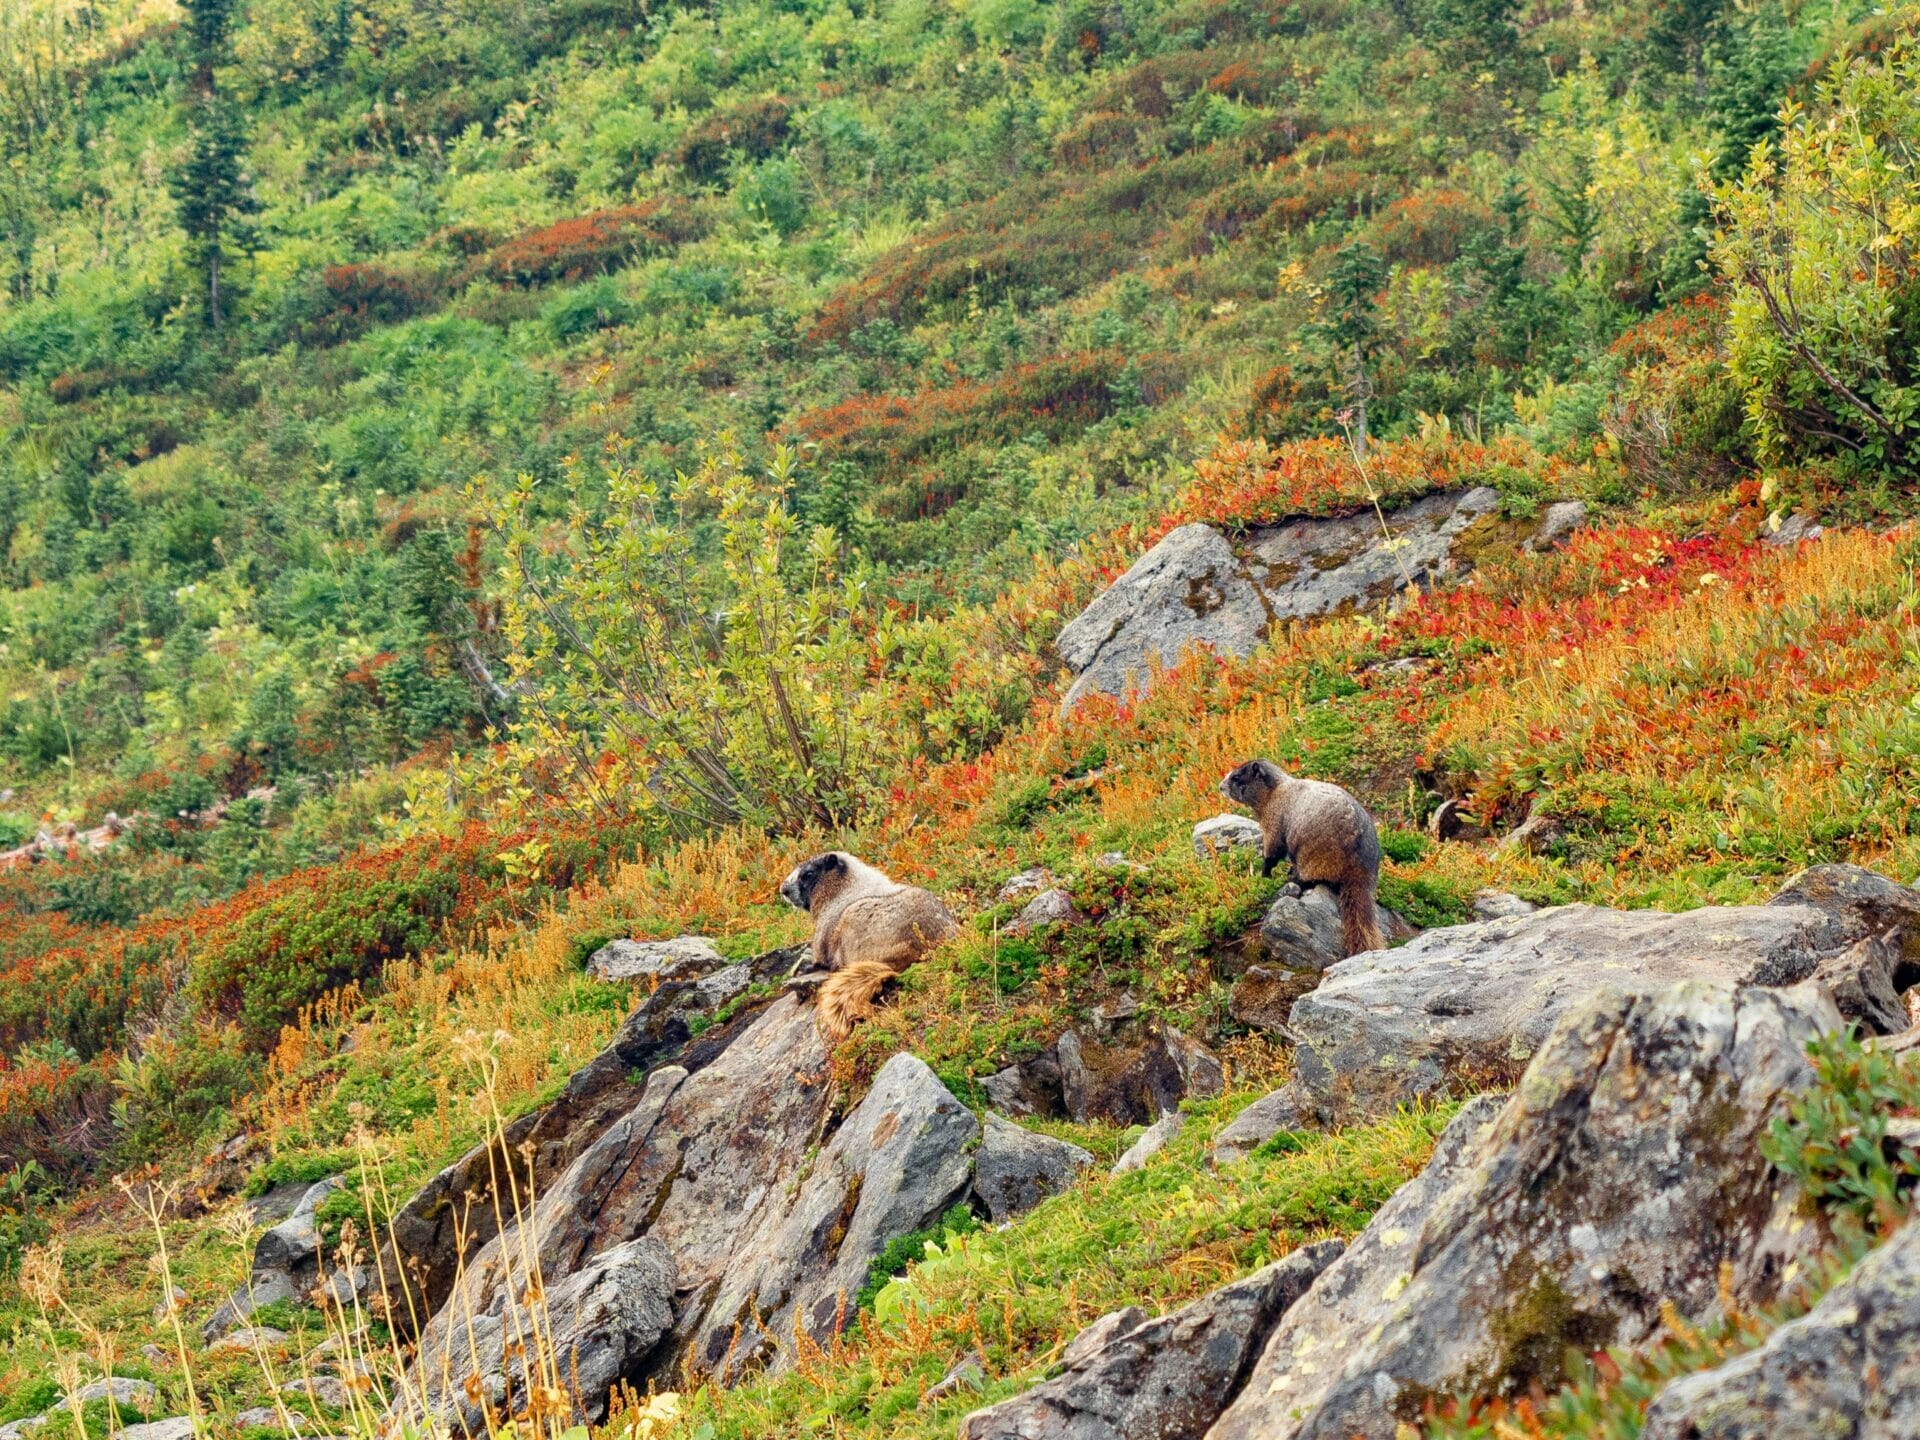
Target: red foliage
363,296
754,130
53,1113
1055,397
1246,482
1429,228
593,244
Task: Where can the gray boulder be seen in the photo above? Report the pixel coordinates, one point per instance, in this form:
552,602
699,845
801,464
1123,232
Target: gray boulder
1224,834
293,1246
684,957
1499,905
286,1264
1284,1109
897,1163
1165,1379
601,1320
1558,521
1152,1141
248,1340
177,1427
1791,531
1026,882
1049,907
1017,1168
1849,1367
1468,1006
1190,589
450,1218
1312,567
1137,1083
1622,1175
1197,587
1302,931
134,1394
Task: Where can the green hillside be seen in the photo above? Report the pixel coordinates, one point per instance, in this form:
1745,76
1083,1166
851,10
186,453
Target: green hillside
481,479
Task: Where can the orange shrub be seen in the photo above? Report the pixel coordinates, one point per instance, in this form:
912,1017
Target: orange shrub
1429,228
593,244
1057,396
1247,482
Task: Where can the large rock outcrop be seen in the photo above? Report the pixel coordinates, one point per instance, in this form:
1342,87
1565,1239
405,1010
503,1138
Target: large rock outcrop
1467,1007
1849,1367
604,1318
1623,1173
455,1214
1198,587
717,1217
1129,1377
895,1165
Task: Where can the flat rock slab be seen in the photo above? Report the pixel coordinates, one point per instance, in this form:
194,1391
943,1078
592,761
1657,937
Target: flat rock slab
1848,1367
1467,1007
1622,1175
684,957
1198,587
1132,1378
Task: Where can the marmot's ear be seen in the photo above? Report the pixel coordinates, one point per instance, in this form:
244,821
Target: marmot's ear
831,861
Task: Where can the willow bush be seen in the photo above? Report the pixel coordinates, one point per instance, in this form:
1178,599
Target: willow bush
682,653
1817,243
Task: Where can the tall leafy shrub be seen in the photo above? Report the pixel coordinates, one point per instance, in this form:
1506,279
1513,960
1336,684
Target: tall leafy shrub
660,680
1817,243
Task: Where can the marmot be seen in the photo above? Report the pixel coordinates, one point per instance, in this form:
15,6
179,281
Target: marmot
867,928
1325,834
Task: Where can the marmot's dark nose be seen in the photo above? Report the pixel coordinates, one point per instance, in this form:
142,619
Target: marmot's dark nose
1226,785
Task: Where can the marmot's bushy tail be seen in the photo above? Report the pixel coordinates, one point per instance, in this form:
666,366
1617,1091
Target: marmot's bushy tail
1359,930
846,996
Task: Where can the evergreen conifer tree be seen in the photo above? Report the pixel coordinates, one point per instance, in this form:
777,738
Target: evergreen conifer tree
212,190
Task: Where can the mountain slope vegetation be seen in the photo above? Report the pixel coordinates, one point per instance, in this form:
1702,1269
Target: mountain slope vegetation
628,448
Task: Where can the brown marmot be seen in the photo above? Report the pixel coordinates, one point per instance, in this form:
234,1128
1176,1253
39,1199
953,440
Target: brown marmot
1325,834
867,928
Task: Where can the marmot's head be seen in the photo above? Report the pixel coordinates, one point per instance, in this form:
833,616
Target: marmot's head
1251,783
799,887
